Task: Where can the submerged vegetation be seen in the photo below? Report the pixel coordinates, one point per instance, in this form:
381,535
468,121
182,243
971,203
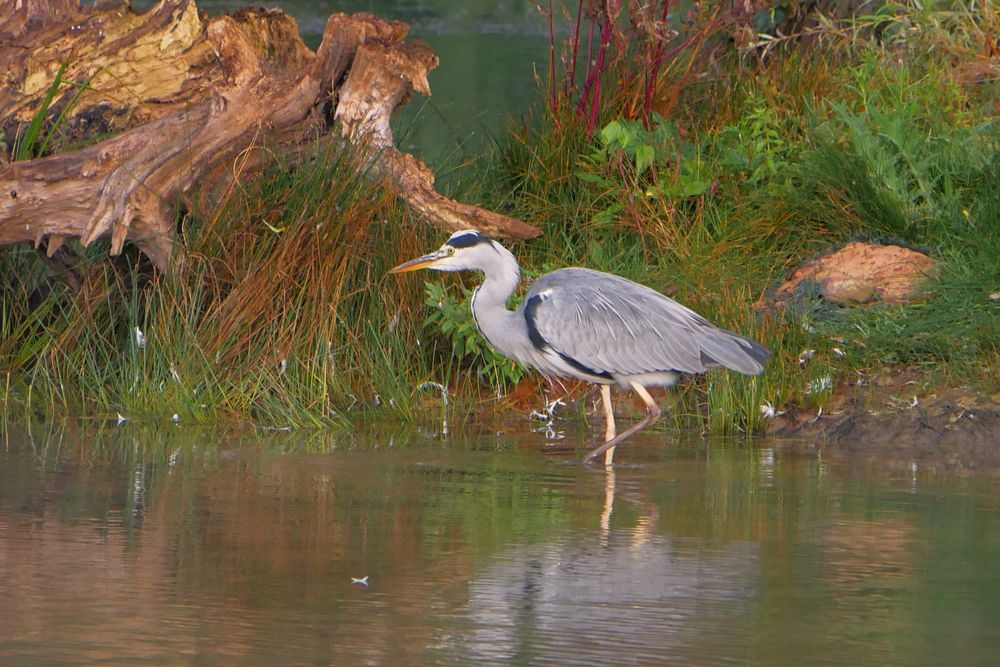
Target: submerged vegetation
701,163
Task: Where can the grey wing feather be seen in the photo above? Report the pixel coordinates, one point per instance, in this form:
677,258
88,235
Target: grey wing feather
611,324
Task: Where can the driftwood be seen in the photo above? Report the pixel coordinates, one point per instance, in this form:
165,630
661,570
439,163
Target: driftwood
189,103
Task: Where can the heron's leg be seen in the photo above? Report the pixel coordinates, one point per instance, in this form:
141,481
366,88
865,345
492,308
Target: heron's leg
609,421
652,414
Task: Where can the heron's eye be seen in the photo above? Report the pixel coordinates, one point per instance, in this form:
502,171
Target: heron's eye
451,251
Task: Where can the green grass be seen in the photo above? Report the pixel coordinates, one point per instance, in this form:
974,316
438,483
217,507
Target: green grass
803,154
281,313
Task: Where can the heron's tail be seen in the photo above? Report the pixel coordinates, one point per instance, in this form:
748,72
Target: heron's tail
733,351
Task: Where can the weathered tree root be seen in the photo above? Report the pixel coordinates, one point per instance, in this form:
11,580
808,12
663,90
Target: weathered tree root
189,99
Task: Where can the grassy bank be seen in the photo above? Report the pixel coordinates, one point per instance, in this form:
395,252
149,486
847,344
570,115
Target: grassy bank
763,163
279,315
282,313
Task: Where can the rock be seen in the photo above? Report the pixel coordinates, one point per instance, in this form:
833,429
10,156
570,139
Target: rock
849,291
860,273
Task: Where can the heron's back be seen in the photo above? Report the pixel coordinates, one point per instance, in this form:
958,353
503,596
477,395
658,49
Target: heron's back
614,326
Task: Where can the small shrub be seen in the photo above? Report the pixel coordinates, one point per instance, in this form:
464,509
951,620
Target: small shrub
452,319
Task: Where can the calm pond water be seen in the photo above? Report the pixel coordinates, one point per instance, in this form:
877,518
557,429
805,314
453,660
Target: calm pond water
142,546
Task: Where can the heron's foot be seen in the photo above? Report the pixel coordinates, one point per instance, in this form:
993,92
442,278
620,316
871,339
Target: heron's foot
596,452
607,449
652,414
592,455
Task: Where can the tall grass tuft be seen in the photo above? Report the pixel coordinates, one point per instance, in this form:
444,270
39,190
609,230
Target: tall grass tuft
279,311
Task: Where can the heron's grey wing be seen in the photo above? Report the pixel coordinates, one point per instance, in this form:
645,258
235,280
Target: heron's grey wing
612,325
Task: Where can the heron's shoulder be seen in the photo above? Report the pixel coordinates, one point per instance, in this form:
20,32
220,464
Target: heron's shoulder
593,291
579,280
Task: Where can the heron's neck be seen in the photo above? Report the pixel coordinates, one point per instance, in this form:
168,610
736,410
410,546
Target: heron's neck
500,282
505,329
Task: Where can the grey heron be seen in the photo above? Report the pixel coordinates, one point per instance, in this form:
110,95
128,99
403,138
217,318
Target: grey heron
593,326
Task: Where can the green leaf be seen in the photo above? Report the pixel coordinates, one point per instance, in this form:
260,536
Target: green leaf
595,254
608,215
643,157
692,188
26,148
65,111
611,132
590,178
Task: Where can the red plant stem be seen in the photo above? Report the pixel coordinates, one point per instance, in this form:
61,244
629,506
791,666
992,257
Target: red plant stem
590,45
588,78
680,47
654,70
651,83
552,65
592,86
575,49
606,33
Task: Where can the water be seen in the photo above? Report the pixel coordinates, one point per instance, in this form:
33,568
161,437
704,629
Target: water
144,546
135,546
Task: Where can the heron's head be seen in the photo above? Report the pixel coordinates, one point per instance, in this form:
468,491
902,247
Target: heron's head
463,251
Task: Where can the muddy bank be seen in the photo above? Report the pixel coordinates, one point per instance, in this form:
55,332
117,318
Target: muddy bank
897,417
894,417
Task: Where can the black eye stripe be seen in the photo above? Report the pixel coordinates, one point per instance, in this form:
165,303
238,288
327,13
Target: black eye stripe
466,239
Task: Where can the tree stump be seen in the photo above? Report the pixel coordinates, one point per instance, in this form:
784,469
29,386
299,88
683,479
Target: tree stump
168,102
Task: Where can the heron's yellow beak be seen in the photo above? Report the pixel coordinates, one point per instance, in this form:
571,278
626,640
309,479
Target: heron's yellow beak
418,263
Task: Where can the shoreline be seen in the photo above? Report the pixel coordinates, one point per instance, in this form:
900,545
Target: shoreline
898,415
